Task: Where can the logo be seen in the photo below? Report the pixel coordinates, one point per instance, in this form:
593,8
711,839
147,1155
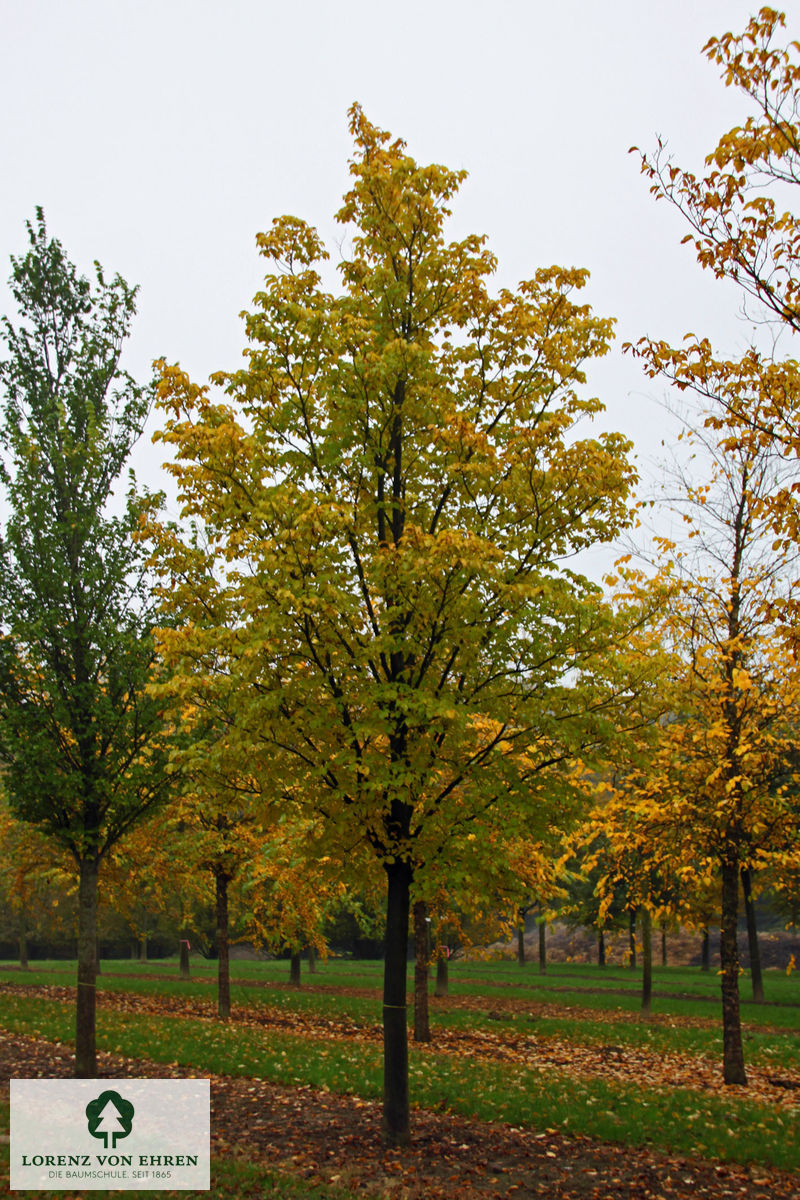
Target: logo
84,1135
110,1117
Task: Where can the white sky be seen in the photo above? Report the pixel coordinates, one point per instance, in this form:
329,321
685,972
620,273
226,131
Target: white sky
161,135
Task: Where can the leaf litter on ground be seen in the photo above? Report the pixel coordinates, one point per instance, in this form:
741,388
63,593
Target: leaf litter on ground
325,1137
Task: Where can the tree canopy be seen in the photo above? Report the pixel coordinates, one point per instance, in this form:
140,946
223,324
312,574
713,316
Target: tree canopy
389,498
81,739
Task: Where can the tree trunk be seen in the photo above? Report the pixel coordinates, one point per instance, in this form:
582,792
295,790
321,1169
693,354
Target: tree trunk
222,880
312,960
396,1122
422,1028
601,948
732,1052
663,945
441,972
705,952
752,937
295,968
143,946
542,946
184,958
521,939
632,937
647,960
86,1007
23,937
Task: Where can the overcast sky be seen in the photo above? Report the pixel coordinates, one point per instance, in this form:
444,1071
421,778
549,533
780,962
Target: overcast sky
161,135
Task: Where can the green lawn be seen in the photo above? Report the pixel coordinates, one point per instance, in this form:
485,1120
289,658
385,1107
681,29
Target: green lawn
679,992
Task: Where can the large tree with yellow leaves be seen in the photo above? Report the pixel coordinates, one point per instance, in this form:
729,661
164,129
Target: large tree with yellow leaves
388,498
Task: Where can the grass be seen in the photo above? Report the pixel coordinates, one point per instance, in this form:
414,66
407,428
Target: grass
470,976
681,1121
680,993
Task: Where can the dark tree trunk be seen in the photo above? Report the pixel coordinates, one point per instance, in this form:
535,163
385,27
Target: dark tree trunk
542,946
705,952
295,962
222,880
312,960
632,937
752,937
422,1028
647,961
663,945
521,939
732,1053
601,948
86,1007
143,947
97,967
184,959
441,973
23,937
396,1121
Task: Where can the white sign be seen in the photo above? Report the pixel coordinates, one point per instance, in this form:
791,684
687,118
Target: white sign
112,1134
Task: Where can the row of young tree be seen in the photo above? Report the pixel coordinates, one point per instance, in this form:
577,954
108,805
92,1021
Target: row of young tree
364,647
159,896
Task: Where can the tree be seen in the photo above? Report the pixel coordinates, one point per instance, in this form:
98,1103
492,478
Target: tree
473,884
82,742
151,885
740,233
292,885
233,818
593,896
716,791
735,226
222,837
636,874
392,493
537,866
32,882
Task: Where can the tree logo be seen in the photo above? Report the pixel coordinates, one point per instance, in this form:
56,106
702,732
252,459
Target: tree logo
109,1117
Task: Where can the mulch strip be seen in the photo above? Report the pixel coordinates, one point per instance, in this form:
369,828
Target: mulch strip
325,1137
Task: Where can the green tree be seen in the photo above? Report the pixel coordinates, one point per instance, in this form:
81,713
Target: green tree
593,899
33,883
392,494
82,743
